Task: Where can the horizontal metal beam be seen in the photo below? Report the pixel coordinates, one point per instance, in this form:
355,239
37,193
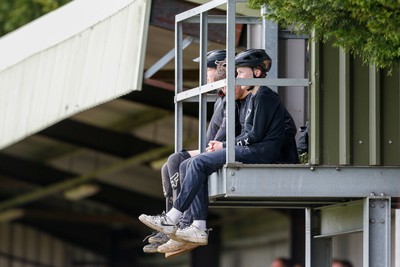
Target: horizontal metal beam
343,218
197,10
81,134
299,184
273,82
221,19
215,85
200,90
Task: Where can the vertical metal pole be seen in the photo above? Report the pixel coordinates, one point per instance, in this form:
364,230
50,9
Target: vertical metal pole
178,87
397,238
231,81
203,80
270,44
308,237
318,250
376,238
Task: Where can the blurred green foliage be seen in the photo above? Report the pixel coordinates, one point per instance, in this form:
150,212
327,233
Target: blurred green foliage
15,13
368,28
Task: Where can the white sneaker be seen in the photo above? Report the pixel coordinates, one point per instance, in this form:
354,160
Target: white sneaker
172,246
151,248
192,234
160,223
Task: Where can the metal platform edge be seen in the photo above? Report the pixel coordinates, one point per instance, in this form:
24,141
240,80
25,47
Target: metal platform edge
299,185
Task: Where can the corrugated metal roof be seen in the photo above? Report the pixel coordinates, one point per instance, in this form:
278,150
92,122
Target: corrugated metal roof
76,57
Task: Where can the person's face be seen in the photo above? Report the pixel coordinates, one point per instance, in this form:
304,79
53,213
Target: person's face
244,72
211,74
337,264
239,92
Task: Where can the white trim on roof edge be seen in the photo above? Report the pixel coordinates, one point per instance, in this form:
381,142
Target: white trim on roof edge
74,58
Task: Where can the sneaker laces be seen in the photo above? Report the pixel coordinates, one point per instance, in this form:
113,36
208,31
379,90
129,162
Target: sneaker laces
165,219
208,230
150,235
163,214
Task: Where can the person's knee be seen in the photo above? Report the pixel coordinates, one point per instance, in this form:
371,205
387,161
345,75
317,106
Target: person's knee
182,169
165,180
199,162
173,158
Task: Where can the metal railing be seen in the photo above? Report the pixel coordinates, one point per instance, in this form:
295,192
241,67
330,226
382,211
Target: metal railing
200,15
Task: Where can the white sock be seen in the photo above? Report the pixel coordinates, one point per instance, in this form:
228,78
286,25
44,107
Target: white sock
201,224
174,215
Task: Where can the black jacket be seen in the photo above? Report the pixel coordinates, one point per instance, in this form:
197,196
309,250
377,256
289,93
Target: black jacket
241,106
264,131
289,152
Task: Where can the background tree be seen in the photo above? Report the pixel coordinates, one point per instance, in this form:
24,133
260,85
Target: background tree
15,13
369,28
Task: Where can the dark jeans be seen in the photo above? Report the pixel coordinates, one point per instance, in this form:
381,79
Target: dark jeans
194,189
187,217
172,174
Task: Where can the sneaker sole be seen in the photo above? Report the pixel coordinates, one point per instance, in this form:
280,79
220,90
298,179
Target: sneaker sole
186,246
178,253
150,250
143,219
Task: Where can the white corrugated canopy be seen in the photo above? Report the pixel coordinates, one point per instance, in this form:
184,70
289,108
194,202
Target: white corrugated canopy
74,58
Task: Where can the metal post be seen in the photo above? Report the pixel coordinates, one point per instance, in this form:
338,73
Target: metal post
230,96
397,239
270,43
203,80
318,250
178,87
308,237
376,239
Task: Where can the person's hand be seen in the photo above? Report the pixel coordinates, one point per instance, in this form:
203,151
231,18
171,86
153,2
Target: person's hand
214,146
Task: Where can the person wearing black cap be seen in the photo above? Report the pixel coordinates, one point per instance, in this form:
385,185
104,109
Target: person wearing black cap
260,142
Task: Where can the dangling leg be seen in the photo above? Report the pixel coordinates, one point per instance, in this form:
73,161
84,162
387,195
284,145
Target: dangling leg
173,163
166,186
